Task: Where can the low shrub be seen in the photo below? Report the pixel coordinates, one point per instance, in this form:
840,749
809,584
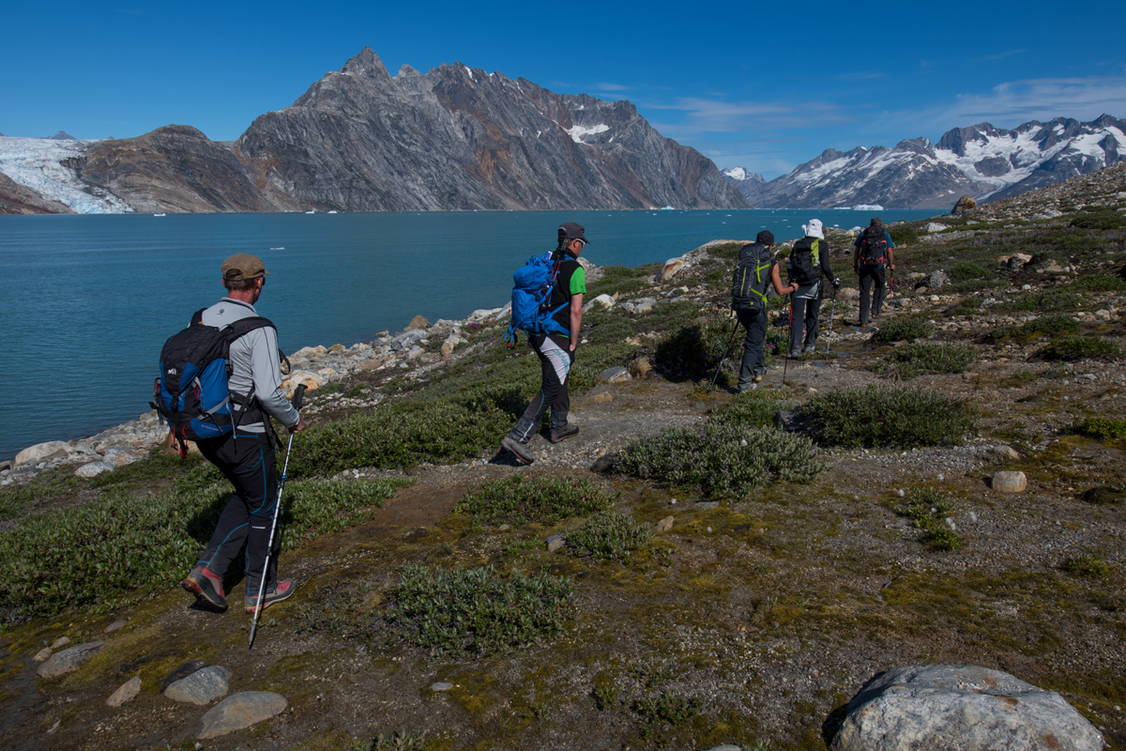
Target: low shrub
722,460
397,741
887,417
693,352
919,358
1089,566
1102,428
1044,326
609,537
1105,495
1043,302
904,234
474,612
406,433
1072,348
119,547
518,500
928,510
903,328
969,271
751,409
1101,218
1100,282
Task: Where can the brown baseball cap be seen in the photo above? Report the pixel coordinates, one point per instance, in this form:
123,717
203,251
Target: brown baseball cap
242,266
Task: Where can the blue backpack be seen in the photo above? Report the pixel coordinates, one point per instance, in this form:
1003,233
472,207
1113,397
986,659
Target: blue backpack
191,392
531,295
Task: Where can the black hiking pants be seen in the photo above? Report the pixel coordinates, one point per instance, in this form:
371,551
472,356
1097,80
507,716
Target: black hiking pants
754,360
804,321
249,463
872,284
555,365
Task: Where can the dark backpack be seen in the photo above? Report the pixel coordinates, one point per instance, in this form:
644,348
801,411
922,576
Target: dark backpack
191,392
532,285
805,261
751,278
873,247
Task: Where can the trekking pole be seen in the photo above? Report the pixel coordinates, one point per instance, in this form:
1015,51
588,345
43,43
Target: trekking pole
786,362
298,397
726,353
832,306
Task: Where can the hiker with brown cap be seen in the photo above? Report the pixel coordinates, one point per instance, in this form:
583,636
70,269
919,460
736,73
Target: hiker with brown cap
245,455
554,334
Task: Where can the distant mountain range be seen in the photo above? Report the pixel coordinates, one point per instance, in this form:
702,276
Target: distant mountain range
361,139
982,161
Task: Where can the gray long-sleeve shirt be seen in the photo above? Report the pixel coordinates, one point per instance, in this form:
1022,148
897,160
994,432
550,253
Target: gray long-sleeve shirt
255,364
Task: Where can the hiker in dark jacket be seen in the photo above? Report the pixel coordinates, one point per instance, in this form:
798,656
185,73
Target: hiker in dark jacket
246,455
809,261
873,253
756,261
556,350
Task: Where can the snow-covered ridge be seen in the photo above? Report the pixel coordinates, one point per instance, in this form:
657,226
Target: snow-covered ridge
36,163
736,173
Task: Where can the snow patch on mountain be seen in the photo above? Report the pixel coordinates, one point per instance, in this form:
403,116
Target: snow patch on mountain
578,132
37,164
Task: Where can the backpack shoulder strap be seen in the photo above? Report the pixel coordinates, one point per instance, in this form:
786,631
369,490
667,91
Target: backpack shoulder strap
244,326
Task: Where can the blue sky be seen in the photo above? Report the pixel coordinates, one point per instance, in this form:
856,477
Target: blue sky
762,85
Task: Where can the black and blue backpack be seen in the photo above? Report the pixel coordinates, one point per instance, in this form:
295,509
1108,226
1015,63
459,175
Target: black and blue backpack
531,297
751,279
191,392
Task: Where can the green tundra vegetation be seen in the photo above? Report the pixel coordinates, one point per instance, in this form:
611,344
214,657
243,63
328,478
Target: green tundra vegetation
797,563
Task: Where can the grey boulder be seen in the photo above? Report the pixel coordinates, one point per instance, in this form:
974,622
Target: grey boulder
201,687
68,660
241,711
960,708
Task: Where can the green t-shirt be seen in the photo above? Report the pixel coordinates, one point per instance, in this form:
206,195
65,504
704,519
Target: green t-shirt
572,278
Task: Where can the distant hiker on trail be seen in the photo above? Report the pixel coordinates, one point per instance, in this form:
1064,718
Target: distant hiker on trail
873,253
809,261
753,272
549,307
245,454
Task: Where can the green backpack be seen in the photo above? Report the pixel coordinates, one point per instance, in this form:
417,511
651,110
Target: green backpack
751,278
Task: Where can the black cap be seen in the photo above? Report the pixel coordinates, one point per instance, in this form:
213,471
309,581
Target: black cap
572,231
766,237
877,222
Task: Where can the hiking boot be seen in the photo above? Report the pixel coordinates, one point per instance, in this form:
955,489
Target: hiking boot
517,448
563,433
809,349
794,353
207,586
283,590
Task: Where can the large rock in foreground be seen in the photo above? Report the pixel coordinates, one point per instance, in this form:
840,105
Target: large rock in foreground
960,708
241,711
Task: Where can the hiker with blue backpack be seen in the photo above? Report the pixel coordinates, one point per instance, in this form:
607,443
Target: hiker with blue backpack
755,272
547,304
219,386
809,261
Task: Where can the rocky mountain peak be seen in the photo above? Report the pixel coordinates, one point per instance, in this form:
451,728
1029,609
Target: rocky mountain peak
367,64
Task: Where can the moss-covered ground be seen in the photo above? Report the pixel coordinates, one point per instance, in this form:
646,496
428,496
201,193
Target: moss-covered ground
673,616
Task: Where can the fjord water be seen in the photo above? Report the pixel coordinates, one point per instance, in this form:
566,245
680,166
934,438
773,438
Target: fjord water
88,300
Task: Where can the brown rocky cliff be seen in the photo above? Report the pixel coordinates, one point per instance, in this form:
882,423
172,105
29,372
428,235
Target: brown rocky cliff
174,168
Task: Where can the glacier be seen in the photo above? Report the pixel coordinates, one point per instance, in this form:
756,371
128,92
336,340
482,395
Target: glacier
36,163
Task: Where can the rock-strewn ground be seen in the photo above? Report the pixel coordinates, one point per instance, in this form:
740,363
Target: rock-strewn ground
749,621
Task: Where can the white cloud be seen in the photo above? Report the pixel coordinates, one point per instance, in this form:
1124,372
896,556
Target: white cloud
1016,102
607,86
717,116
999,56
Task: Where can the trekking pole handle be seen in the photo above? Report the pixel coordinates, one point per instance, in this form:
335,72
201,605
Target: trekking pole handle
299,397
